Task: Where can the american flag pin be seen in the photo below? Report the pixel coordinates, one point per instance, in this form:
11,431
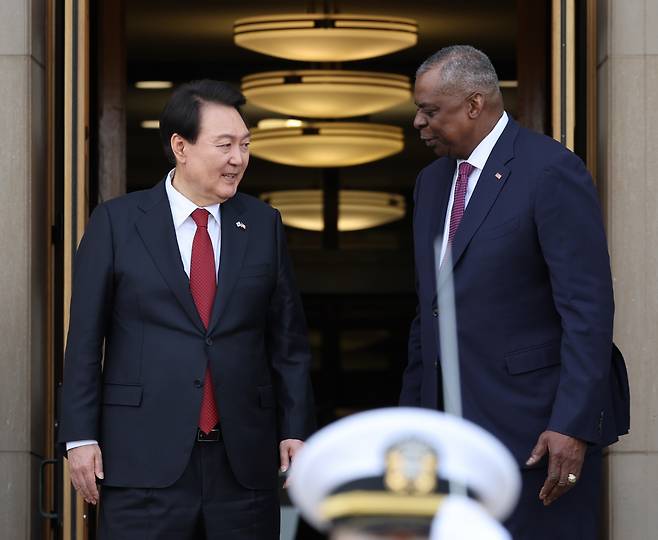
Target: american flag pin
240,225
498,176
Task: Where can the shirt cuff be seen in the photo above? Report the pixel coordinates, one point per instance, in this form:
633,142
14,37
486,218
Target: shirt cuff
74,444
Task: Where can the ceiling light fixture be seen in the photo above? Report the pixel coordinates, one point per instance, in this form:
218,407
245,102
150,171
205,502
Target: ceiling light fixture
268,123
325,37
326,93
150,124
153,85
325,144
357,210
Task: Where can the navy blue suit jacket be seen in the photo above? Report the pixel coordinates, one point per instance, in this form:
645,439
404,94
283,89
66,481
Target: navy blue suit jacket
533,293
131,296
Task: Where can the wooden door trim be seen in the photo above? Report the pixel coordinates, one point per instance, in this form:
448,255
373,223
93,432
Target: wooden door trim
563,54
76,180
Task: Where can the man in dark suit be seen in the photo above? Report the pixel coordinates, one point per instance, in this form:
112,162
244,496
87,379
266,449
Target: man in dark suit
186,292
533,293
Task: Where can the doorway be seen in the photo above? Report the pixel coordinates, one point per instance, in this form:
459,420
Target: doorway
358,292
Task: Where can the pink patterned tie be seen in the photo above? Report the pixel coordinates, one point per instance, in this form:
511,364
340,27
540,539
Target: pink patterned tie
203,286
459,202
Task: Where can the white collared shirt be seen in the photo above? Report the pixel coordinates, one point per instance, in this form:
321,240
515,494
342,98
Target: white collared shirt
181,212
478,159
185,227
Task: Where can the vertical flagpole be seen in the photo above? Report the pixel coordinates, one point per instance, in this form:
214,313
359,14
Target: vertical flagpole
447,329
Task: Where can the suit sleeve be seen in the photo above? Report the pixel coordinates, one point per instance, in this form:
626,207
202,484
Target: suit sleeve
413,373
573,243
91,304
412,377
289,349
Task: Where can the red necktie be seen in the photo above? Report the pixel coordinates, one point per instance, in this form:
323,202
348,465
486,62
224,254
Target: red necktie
459,202
203,285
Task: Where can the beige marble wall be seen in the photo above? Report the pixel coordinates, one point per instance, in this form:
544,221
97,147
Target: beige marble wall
22,263
628,165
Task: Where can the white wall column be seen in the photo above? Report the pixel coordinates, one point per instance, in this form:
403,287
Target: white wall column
628,169
22,262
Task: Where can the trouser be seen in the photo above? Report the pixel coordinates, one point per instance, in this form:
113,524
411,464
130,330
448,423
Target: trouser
206,502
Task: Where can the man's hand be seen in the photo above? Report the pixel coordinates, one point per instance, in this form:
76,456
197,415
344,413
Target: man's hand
565,460
85,464
288,448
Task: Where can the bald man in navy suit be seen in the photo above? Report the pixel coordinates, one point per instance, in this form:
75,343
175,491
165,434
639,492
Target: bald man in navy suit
533,292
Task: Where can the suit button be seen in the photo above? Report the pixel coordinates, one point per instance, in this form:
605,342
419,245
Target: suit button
436,363
198,383
208,341
435,313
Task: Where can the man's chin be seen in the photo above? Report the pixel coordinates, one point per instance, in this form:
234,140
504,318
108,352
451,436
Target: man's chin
437,147
227,192
441,150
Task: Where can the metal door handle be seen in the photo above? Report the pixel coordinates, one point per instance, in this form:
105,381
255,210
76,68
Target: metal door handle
44,464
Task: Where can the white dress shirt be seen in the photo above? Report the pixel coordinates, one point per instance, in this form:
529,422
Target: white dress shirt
181,210
478,159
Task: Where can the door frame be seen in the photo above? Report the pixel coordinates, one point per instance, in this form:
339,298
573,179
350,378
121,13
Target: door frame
68,183
574,22
69,180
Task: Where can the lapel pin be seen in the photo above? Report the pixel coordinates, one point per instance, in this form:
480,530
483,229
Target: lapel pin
240,225
498,176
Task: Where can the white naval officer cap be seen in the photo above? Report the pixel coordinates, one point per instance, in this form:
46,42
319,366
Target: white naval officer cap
394,465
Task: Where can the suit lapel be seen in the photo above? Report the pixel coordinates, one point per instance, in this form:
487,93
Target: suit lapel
491,181
156,228
441,195
438,197
233,248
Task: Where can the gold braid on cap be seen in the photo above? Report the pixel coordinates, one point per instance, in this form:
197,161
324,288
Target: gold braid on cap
383,503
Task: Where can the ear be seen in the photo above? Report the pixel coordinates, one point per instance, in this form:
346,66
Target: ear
178,147
475,104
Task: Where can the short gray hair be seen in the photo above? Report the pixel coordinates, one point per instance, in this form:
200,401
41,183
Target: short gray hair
463,68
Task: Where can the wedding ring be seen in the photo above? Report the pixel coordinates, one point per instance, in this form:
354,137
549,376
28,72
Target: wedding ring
571,478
